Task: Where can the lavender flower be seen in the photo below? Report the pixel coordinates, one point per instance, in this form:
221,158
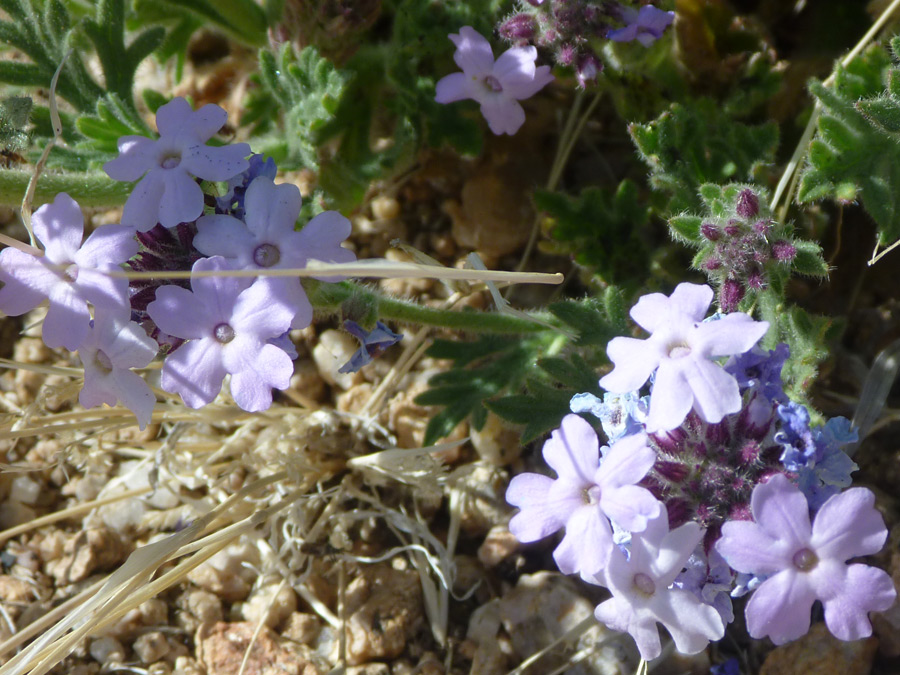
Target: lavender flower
497,86
267,239
584,495
643,594
168,193
70,274
680,349
374,342
112,347
228,325
646,26
808,563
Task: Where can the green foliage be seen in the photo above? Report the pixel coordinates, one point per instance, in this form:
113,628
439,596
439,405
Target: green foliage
600,229
806,335
856,154
43,31
308,88
14,112
526,380
689,145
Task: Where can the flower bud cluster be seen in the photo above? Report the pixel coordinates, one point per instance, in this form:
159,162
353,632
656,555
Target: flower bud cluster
575,30
745,248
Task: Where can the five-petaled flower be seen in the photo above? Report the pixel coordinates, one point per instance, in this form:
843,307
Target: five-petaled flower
228,324
71,274
643,594
681,349
584,496
266,239
167,193
497,86
807,562
113,346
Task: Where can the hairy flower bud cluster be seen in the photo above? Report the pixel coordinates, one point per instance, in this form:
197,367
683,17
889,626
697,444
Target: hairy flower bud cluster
575,30
751,498
745,247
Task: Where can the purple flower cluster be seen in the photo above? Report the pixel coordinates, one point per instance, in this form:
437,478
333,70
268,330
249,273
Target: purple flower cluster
694,503
573,30
224,320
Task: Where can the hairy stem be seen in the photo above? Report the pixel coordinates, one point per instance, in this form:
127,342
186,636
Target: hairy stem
330,297
88,189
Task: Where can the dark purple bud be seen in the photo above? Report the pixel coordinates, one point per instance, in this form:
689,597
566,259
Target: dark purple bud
762,227
679,511
730,295
733,228
674,472
747,204
712,264
671,442
784,251
535,3
710,231
717,434
761,257
756,280
519,28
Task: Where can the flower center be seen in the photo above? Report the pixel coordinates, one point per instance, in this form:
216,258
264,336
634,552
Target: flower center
224,333
805,559
170,160
102,362
493,83
70,274
591,495
266,255
678,350
643,584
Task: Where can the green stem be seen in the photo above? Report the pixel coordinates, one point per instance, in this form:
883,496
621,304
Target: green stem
88,189
330,297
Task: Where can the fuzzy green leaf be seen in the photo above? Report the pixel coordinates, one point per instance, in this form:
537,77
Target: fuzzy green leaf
600,229
14,113
309,88
689,145
809,260
856,154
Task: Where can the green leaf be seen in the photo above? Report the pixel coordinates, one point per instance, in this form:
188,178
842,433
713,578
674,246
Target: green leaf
600,229
242,20
309,89
14,114
481,370
697,143
856,154
809,260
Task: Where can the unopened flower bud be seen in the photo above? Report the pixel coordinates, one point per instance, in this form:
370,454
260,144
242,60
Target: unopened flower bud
756,280
519,28
710,231
747,204
730,295
761,227
784,251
